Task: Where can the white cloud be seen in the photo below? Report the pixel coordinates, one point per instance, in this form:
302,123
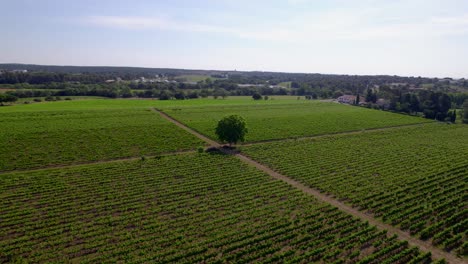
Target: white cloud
148,23
341,24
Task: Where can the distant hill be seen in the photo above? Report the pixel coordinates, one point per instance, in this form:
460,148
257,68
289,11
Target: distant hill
350,83
174,72
100,69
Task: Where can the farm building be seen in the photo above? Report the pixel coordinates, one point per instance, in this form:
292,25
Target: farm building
347,99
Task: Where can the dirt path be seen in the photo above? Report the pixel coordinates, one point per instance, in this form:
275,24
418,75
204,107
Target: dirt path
95,162
426,246
186,128
352,132
423,245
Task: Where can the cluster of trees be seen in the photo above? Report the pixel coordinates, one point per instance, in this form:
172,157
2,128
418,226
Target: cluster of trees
218,88
38,74
257,96
52,77
433,105
82,90
7,98
314,85
465,112
131,72
458,99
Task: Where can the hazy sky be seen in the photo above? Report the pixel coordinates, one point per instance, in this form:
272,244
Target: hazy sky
410,38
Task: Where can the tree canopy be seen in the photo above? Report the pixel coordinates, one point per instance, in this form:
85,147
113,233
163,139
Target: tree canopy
465,112
231,129
257,96
7,98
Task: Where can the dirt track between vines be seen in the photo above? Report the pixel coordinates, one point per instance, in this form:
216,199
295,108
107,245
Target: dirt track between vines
61,166
423,245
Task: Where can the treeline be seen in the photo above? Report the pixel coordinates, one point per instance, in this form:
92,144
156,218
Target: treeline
95,85
163,91
7,98
303,81
40,74
112,70
55,78
433,105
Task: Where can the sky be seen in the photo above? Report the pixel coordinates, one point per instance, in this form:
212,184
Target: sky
366,37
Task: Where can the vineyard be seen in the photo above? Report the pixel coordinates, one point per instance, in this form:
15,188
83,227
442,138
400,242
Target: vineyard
183,208
414,178
43,138
289,120
131,188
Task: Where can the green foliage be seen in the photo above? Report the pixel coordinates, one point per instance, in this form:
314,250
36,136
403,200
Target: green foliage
221,92
231,129
452,116
465,112
185,208
412,177
371,97
7,98
257,96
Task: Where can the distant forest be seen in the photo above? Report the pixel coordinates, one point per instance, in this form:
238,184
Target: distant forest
431,97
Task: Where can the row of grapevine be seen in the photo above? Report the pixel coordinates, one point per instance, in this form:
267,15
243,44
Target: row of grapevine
46,138
287,120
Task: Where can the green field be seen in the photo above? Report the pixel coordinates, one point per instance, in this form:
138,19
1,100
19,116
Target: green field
285,84
43,138
289,120
70,132
97,104
143,201
414,178
195,78
180,209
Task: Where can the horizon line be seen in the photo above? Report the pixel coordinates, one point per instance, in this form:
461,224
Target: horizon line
235,70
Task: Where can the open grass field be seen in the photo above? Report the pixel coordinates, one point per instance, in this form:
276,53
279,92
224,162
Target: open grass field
4,90
414,178
290,120
98,104
195,77
44,138
285,84
180,209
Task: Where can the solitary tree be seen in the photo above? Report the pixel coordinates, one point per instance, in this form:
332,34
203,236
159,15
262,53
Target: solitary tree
357,100
465,112
452,115
256,96
231,129
369,96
